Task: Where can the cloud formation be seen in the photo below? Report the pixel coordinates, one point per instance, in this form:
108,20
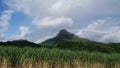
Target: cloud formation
102,30
24,31
48,22
49,16
4,22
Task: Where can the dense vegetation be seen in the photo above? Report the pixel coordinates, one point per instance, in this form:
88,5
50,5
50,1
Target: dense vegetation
19,43
28,57
69,45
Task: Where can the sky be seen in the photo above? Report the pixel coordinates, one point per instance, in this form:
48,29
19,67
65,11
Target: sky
38,20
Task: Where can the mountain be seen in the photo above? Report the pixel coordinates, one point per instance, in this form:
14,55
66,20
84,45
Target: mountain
67,40
19,43
63,35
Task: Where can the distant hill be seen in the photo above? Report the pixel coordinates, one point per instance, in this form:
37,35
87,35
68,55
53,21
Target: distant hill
67,40
19,43
63,35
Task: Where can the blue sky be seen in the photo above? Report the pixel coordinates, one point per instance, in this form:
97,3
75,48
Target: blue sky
38,20
18,19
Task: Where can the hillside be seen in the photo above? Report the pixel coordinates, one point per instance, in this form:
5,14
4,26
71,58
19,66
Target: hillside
19,43
67,40
63,35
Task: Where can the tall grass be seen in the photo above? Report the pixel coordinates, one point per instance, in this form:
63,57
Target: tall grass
15,57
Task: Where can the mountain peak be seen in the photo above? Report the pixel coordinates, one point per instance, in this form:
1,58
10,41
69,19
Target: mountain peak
65,34
63,31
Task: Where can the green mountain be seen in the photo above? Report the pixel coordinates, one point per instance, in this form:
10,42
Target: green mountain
67,40
63,35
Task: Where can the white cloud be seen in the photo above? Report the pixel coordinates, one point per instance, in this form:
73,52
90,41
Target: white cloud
39,8
4,22
80,11
103,30
45,8
64,6
24,31
45,37
49,22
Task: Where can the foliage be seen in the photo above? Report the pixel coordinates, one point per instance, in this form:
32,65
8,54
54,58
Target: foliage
19,43
91,46
16,55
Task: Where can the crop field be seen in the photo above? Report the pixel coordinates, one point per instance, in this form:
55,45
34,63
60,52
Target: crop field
27,57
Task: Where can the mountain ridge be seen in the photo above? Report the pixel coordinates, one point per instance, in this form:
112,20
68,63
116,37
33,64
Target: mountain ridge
64,35
67,40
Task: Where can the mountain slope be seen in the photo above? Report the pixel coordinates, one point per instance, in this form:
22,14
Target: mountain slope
19,43
64,35
67,40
